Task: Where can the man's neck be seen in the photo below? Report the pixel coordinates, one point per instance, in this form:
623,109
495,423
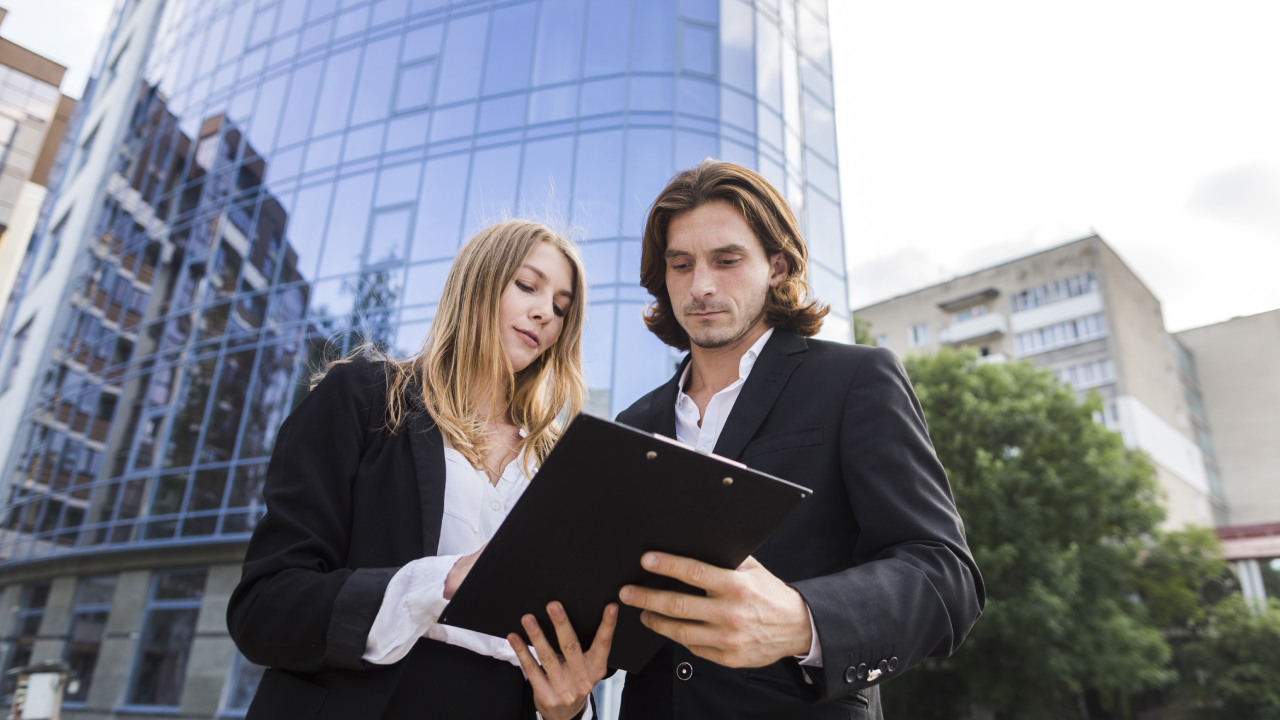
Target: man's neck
714,369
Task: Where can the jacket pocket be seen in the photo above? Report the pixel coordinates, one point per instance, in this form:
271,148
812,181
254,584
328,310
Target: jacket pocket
283,695
785,440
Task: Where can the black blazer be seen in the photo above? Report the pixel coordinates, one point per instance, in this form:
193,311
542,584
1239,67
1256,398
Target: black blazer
348,504
878,552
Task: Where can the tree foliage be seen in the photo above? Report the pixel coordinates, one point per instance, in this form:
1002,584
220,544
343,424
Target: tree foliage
1057,512
1236,662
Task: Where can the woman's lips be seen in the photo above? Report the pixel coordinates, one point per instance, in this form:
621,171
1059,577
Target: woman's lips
528,337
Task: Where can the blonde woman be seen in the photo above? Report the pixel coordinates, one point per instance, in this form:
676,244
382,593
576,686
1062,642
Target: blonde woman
385,484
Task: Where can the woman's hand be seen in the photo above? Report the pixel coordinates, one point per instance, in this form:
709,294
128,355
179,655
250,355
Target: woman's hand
459,571
565,679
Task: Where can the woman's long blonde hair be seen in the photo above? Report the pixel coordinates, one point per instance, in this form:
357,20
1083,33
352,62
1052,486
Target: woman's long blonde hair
463,351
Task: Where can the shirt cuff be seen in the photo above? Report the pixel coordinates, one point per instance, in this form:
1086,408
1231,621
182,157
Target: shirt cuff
814,658
413,600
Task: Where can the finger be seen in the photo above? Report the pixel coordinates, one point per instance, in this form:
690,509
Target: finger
698,574
570,648
750,564
671,604
598,655
688,634
550,664
532,670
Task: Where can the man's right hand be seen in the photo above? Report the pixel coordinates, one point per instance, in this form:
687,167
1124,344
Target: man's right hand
459,572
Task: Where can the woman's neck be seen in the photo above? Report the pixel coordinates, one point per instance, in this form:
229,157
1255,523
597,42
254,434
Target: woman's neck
490,406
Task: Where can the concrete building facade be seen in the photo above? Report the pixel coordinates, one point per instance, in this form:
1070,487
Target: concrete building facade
1081,312
249,182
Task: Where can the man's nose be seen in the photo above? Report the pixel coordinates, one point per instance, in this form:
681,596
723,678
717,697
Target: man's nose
703,283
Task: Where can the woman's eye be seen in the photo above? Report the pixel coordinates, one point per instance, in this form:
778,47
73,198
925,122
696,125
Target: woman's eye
558,310
524,287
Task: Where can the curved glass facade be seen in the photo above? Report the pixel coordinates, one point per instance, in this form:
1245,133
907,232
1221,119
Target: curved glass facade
301,172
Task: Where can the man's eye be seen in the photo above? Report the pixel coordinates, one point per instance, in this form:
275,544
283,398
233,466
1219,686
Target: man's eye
730,261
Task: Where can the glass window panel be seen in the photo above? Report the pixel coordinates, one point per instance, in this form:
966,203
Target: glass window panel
698,49
321,8
454,122
604,96
84,643
408,131
262,129
244,678
348,224
224,421
559,49
601,260
830,288
545,179
425,5
492,191
363,143
377,73
502,113
162,657
425,283
707,11
597,348
306,227
553,104
692,148
267,405
96,590
398,185
415,86
206,491
648,364
463,53
389,10
296,122
813,37
350,22
815,82
213,44
190,415
422,42
438,228
170,490
825,238
652,94
409,337
335,94
821,175
608,24
510,46
387,236
738,109
597,188
770,128
654,29
246,487
262,25
333,299
323,153
768,61
820,128
648,170
698,97
180,585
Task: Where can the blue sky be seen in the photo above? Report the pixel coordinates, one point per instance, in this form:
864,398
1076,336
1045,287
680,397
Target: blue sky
972,133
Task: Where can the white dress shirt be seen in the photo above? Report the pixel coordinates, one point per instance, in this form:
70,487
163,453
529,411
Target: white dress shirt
473,509
703,433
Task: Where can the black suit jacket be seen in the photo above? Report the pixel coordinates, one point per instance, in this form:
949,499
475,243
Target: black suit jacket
878,552
348,504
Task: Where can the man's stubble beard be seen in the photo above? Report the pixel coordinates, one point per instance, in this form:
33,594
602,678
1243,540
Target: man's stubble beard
713,339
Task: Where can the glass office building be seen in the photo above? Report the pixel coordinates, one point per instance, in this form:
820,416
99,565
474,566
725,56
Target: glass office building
297,175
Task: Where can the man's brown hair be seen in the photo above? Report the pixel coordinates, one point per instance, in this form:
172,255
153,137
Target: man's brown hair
789,306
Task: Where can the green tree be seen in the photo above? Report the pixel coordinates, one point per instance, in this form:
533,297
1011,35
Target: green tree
1056,511
1237,662
862,331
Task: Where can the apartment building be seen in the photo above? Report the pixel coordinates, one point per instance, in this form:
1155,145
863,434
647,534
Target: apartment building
1081,312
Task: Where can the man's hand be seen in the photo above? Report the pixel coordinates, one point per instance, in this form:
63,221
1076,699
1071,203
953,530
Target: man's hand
563,681
749,617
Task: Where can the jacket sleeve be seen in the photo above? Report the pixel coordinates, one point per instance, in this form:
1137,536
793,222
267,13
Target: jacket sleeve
298,607
914,589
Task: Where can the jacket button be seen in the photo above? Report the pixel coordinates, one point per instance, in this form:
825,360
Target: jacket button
884,666
862,671
893,664
684,671
849,674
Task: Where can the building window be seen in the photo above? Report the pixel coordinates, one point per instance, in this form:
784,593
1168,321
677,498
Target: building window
168,631
55,240
1072,332
86,148
88,623
1089,374
918,335
15,358
882,340
242,683
971,313
26,627
1081,284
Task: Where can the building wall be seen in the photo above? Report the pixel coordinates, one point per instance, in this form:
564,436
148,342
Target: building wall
1238,364
1121,352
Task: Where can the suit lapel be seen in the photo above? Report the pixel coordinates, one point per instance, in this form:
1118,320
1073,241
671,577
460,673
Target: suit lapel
662,418
428,464
777,361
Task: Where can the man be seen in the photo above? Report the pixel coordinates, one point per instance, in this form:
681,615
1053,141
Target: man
872,573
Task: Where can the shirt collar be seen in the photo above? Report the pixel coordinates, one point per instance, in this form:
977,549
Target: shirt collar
745,364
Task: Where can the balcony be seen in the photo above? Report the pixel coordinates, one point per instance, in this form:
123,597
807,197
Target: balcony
983,326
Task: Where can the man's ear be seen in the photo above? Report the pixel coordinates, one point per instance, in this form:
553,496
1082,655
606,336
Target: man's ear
779,268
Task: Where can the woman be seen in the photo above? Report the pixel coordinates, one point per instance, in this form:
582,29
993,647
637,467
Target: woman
386,482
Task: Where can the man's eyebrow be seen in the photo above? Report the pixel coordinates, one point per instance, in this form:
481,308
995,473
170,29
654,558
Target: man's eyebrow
675,253
734,248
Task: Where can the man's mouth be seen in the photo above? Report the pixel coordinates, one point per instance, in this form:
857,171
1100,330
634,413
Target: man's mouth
528,337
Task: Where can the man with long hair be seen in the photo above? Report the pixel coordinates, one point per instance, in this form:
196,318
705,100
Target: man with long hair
871,574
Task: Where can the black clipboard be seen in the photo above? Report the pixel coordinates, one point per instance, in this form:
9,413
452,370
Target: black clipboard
606,494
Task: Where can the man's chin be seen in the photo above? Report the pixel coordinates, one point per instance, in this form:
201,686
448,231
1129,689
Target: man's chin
712,340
